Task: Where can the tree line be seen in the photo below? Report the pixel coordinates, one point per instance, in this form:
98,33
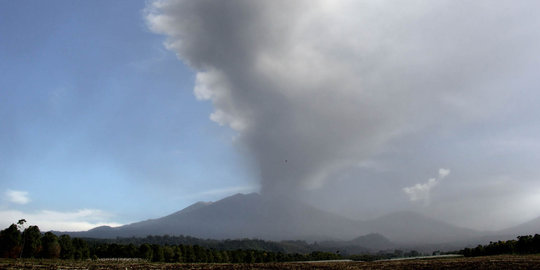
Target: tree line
228,244
31,243
526,244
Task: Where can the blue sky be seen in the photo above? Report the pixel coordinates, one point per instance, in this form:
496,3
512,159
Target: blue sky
96,114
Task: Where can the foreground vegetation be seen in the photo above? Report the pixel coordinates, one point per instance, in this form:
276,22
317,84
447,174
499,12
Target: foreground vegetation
526,244
32,249
490,262
31,243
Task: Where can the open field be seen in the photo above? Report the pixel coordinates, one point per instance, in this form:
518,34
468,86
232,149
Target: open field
489,262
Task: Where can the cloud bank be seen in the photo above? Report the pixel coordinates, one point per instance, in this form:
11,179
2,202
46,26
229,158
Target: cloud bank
17,196
317,88
46,220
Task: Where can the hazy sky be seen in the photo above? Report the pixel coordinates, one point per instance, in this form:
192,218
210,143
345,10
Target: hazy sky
113,112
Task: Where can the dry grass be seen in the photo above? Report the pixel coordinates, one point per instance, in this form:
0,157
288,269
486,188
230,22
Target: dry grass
490,262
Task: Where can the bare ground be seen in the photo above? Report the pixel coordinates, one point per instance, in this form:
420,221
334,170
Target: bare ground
489,262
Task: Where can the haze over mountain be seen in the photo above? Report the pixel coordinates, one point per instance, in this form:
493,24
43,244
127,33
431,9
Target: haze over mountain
530,227
255,216
372,242
243,216
413,228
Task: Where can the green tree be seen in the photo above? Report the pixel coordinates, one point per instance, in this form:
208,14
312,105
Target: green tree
20,225
189,254
112,251
157,252
50,246
10,242
130,251
217,256
237,256
145,252
225,257
80,249
66,247
168,253
248,257
32,242
200,254
178,256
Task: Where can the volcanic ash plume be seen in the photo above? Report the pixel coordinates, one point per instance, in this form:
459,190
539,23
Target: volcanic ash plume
315,87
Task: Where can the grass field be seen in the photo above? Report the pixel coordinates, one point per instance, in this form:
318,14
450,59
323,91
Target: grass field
489,262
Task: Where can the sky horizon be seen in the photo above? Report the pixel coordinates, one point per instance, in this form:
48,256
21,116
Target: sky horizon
117,112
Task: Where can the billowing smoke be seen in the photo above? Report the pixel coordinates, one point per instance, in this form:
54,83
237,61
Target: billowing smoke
314,87
421,191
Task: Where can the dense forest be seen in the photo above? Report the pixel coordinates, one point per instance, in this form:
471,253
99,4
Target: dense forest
31,243
229,244
526,244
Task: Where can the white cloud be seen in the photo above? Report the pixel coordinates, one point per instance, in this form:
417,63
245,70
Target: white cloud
17,196
443,173
421,191
46,220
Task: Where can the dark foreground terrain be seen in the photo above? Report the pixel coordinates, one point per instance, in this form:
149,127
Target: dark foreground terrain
488,262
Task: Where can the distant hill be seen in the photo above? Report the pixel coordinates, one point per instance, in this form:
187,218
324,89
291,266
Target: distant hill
413,228
528,228
372,242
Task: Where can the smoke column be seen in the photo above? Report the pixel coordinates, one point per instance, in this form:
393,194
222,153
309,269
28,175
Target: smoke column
315,87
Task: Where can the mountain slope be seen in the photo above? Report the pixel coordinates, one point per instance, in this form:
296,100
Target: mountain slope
531,227
257,216
413,228
372,242
241,216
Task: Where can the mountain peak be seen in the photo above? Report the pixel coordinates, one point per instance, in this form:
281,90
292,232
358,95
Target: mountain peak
241,196
193,207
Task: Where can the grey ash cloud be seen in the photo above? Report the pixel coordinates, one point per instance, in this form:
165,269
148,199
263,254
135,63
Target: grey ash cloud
328,97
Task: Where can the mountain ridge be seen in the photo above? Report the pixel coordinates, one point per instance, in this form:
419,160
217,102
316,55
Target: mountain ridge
529,227
259,217
241,216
